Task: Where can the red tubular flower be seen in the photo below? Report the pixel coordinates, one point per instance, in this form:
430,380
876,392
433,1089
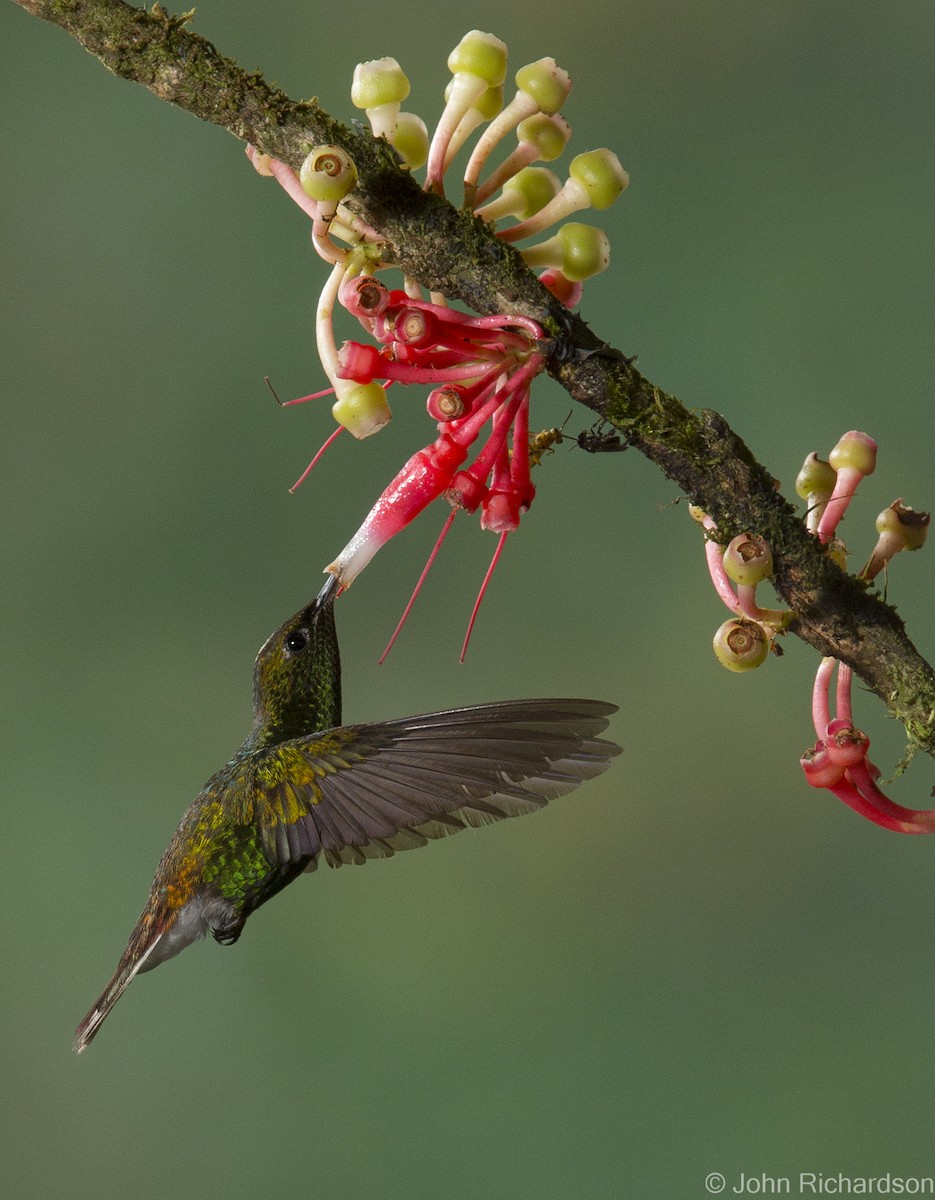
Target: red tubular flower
839,759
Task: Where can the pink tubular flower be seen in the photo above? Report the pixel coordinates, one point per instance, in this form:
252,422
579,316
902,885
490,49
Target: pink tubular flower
839,759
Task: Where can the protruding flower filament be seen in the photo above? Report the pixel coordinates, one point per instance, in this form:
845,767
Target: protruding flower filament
415,591
328,442
741,645
480,595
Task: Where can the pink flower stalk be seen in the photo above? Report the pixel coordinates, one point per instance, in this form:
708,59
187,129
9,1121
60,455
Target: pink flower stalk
562,288
839,760
742,602
853,458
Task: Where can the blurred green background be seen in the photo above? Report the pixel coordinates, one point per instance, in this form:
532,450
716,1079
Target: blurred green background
695,964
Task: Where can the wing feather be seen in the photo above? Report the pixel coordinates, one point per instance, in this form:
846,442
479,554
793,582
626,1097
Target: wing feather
367,791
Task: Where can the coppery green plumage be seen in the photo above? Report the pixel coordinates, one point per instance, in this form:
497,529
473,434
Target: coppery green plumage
302,786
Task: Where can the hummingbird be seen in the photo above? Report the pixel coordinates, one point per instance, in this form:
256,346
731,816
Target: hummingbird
302,787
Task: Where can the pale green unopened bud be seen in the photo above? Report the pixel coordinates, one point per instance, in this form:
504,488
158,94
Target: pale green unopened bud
480,54
362,409
327,175
748,560
856,452
379,82
546,83
411,139
600,176
741,645
816,479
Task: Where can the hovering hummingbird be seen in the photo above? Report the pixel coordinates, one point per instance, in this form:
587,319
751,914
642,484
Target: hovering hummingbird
303,786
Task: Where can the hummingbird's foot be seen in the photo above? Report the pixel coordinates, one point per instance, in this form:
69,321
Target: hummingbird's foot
229,934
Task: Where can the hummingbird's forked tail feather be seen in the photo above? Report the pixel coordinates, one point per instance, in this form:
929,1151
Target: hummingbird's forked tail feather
86,1031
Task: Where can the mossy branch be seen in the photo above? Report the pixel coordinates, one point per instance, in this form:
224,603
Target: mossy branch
451,251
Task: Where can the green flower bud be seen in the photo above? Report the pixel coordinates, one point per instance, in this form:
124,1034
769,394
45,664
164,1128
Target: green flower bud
489,103
741,645
816,479
579,251
600,175
327,175
855,452
546,83
549,134
910,526
411,139
900,528
362,409
480,54
526,193
748,560
379,82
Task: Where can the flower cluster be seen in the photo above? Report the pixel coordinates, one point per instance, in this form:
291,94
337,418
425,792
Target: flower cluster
480,368
839,760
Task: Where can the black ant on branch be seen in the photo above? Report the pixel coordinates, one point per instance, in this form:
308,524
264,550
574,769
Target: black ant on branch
599,439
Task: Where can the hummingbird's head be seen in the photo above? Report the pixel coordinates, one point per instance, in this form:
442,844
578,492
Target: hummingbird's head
297,677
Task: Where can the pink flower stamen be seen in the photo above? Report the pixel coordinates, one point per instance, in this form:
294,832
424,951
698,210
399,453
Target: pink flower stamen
311,466
304,399
449,520
480,595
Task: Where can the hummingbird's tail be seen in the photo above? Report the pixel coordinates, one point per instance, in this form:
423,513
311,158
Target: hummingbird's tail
130,964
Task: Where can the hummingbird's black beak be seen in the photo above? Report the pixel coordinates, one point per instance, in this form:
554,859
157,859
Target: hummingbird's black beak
327,594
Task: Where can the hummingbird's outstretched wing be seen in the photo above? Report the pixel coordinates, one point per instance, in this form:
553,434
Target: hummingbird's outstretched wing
366,791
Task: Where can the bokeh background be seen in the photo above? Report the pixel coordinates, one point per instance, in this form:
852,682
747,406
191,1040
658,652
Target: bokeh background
695,964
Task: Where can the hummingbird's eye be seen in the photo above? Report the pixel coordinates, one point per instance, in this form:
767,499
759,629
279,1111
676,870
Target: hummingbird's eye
297,641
